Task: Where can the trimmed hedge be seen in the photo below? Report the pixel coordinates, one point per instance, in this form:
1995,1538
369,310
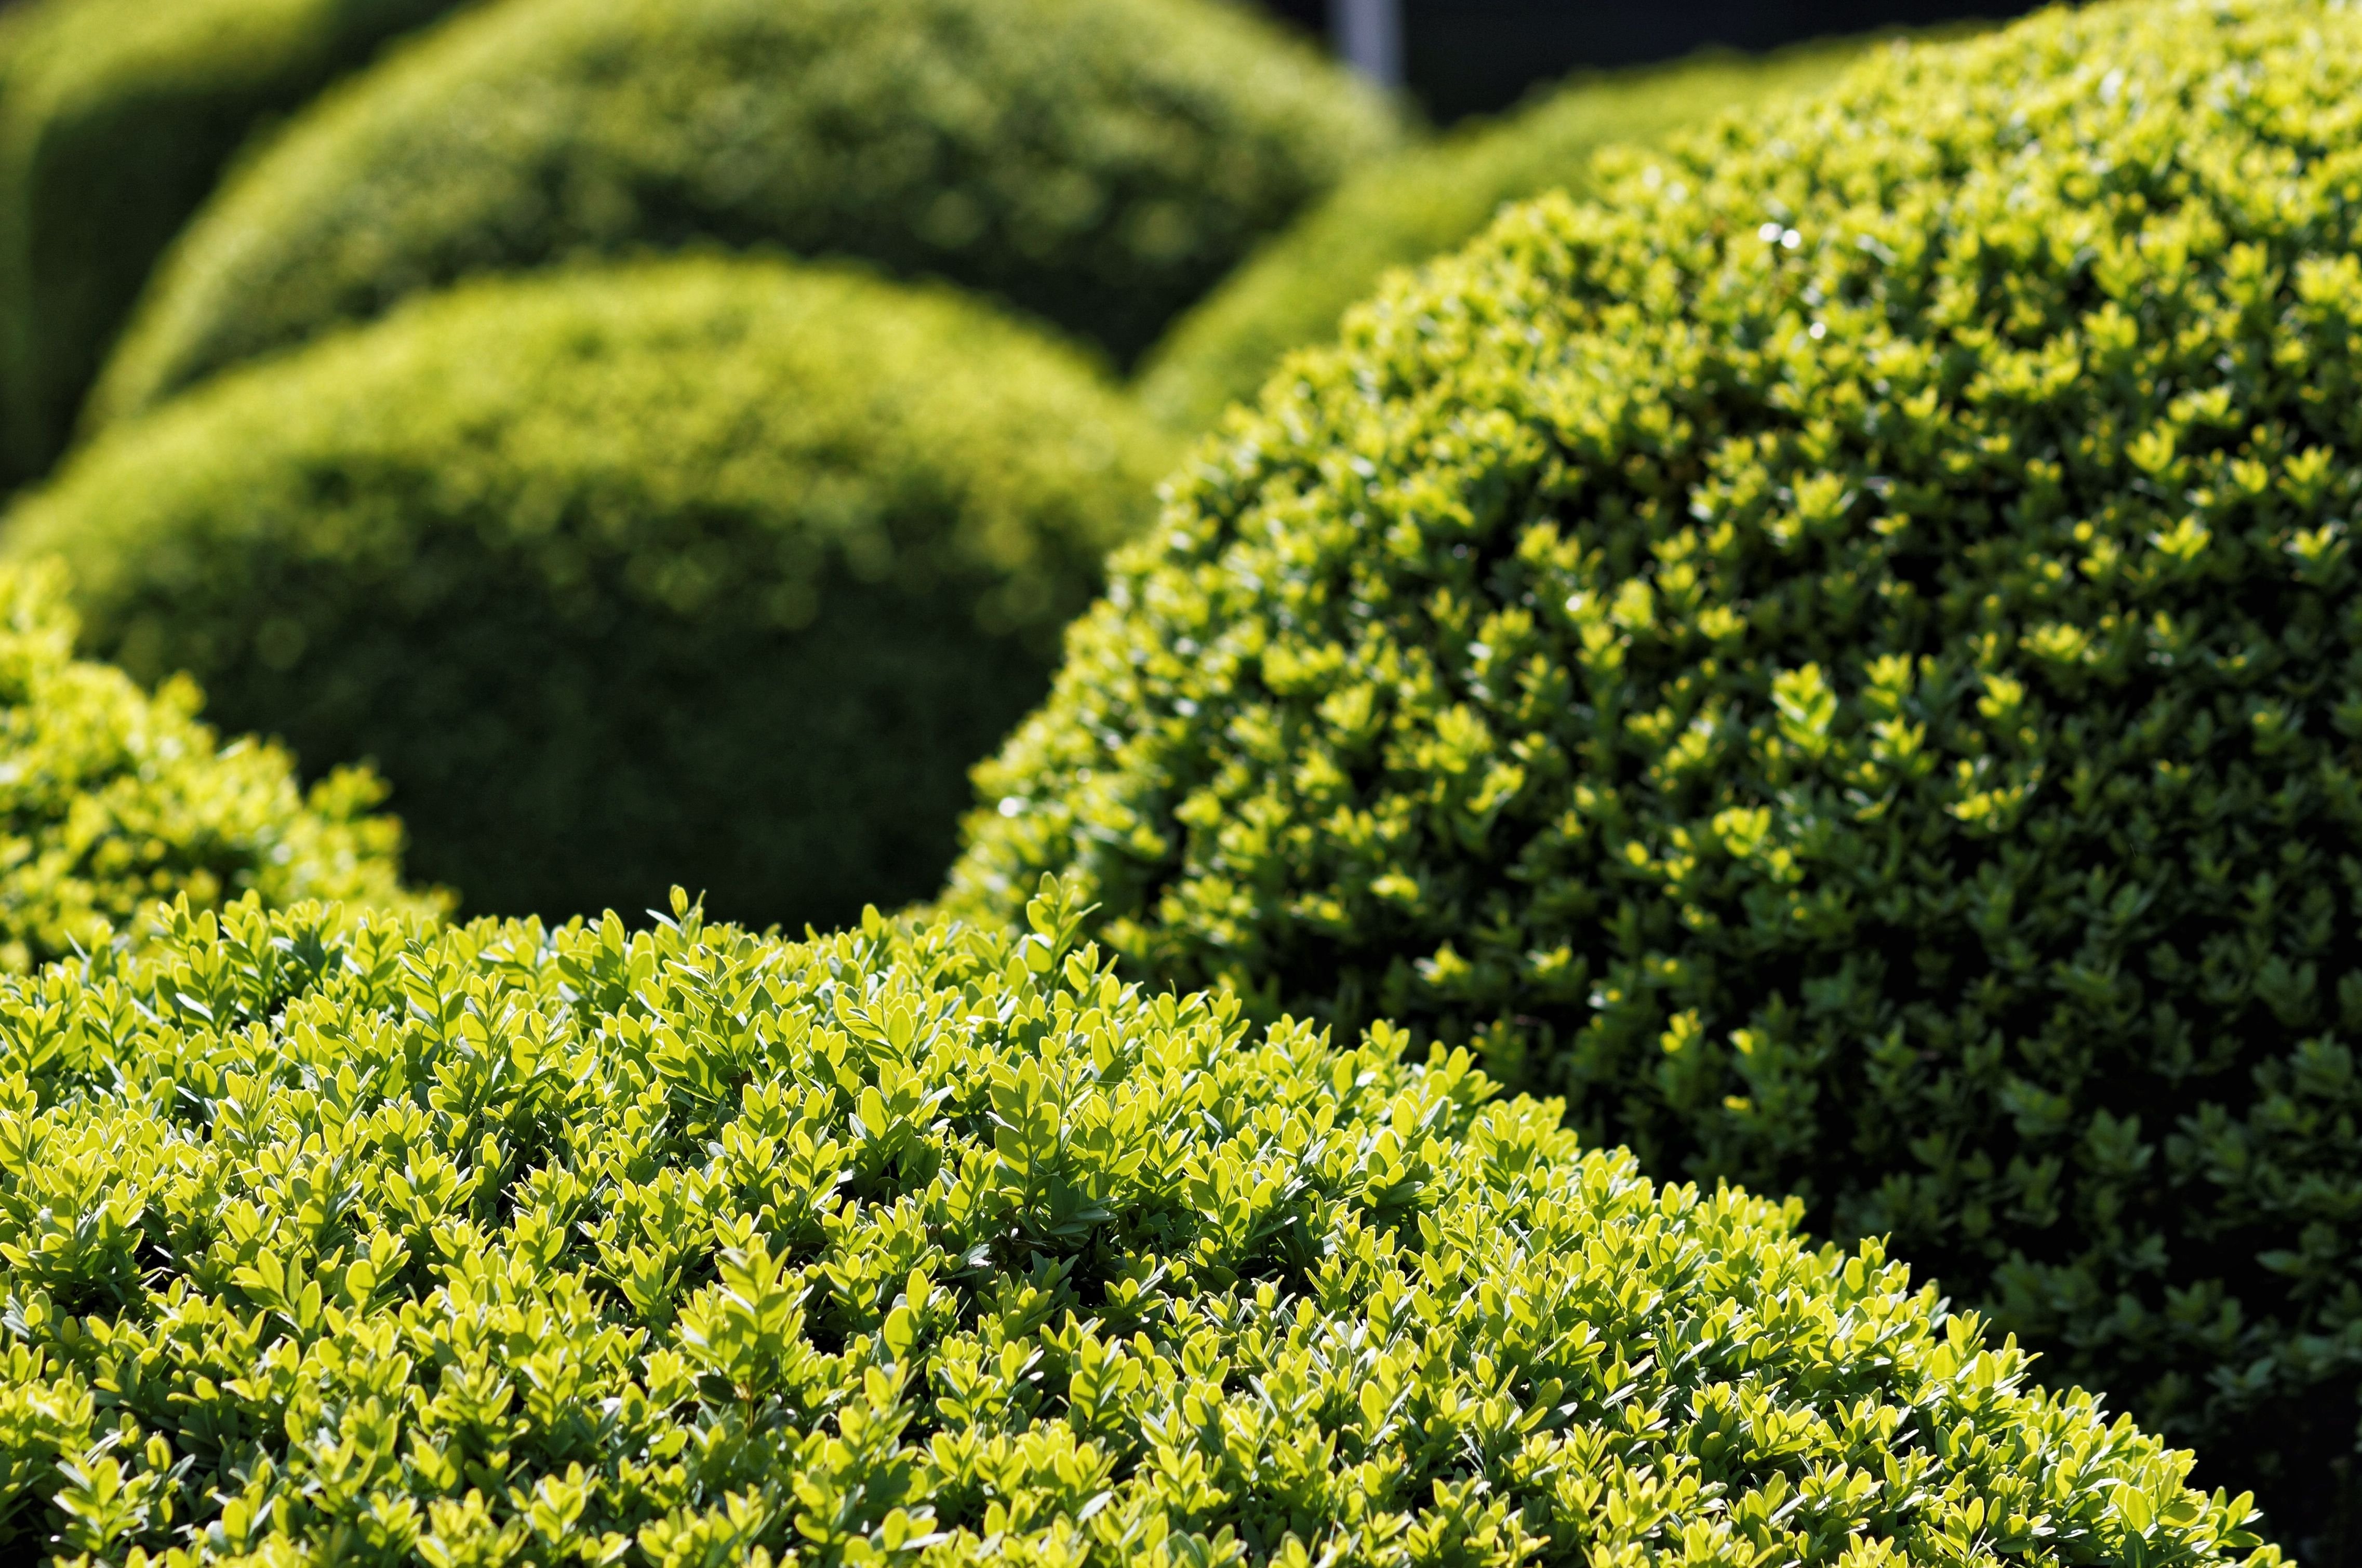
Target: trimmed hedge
916,1243
716,570
116,119
1430,199
1844,659
1097,162
111,799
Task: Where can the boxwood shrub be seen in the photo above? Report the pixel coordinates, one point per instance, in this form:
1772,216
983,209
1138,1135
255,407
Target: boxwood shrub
1097,162
112,798
919,1243
1842,658
717,570
116,119
1428,200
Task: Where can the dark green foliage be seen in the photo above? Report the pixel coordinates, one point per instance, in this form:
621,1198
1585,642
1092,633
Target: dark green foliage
1424,202
1097,162
716,570
1843,659
116,119
924,1244
111,799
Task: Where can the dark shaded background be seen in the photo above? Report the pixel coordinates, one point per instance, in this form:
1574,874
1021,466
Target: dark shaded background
1470,56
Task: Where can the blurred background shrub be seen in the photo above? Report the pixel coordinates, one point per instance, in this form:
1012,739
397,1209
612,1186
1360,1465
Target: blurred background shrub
1097,163
112,797
1427,200
712,571
116,119
1843,657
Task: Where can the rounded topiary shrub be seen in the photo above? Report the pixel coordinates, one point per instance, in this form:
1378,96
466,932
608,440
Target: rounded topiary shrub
1097,162
916,1244
721,572
1428,200
1843,659
115,118
112,798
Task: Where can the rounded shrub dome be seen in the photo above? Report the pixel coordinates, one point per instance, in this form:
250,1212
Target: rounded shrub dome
112,798
1427,200
914,1243
721,572
116,119
1097,162
1844,659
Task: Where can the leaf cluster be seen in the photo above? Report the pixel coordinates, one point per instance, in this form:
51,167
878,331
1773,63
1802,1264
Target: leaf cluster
1097,163
927,1245
723,570
1843,658
116,119
111,799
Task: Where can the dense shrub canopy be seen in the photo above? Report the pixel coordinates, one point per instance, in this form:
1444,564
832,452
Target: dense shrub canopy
683,1246
1427,200
1843,658
111,799
115,118
713,570
1098,162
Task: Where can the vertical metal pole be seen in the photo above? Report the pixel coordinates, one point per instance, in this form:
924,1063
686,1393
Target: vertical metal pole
1369,35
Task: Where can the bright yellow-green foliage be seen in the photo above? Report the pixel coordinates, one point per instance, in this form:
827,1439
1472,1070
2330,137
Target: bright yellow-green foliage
111,799
115,118
929,1245
1843,658
718,572
1430,199
1098,162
